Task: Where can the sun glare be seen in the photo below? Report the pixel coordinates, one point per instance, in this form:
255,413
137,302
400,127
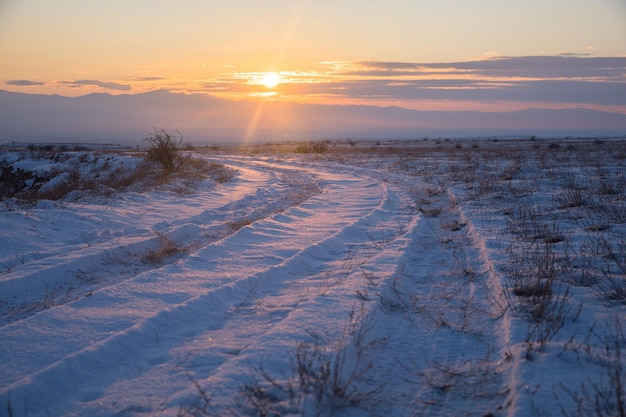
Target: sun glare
270,80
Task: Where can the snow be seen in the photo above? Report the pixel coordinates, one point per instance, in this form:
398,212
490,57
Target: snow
392,264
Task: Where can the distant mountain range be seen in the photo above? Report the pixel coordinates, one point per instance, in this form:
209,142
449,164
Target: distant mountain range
127,119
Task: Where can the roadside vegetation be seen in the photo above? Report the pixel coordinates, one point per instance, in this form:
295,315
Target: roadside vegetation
32,173
549,218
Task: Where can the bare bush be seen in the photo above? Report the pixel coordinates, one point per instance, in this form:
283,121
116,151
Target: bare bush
540,297
165,150
613,286
220,173
201,406
601,397
324,376
570,198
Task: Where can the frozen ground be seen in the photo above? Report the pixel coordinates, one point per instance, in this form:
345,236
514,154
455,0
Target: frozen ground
422,278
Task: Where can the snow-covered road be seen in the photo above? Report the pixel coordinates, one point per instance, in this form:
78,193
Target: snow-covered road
260,263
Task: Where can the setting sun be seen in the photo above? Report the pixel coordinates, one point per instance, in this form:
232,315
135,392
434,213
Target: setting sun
270,80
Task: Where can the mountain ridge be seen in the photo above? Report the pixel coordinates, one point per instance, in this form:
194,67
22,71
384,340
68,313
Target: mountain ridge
205,118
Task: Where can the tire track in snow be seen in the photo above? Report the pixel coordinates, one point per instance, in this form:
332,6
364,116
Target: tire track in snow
76,268
444,334
16,347
154,316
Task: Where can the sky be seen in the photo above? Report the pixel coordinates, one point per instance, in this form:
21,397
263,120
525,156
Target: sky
489,55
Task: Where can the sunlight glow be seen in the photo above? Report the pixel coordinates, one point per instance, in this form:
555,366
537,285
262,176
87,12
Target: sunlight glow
271,79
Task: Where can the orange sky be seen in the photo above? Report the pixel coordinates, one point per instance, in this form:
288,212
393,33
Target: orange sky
406,52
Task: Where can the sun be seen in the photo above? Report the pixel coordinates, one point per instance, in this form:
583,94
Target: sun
270,79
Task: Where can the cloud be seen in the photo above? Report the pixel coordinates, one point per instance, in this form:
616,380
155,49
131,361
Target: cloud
584,54
149,79
546,91
25,83
558,66
606,68
101,84
568,79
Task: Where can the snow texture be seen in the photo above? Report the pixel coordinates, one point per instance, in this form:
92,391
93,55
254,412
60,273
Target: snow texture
392,266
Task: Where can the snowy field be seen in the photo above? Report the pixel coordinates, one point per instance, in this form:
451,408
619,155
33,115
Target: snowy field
391,278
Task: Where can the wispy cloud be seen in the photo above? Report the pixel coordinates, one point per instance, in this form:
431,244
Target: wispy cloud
101,84
568,79
149,79
579,92
24,83
540,67
560,80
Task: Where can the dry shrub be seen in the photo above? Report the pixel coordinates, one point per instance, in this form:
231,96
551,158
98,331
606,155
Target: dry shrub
325,376
600,397
165,248
165,150
219,172
613,286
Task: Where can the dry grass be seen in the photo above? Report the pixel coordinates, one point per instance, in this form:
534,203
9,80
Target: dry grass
325,375
165,248
87,173
604,396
